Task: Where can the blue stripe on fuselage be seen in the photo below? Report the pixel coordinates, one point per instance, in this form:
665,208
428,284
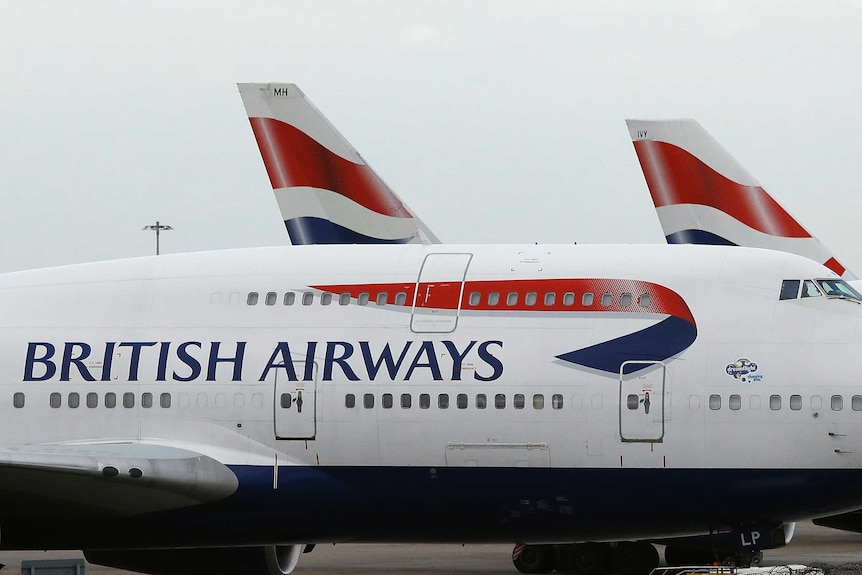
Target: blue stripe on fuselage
655,343
461,504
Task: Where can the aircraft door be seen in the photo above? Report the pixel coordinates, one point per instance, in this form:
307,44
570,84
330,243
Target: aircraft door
439,289
642,402
295,403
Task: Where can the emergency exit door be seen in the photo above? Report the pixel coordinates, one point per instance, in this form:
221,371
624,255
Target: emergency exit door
295,402
642,401
439,289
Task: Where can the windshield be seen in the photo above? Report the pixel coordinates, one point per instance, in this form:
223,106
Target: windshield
839,288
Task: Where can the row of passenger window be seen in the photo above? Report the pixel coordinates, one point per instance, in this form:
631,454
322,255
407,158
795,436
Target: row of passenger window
91,400
795,403
474,299
462,401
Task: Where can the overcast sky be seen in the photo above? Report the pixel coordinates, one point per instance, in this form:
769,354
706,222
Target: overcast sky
496,122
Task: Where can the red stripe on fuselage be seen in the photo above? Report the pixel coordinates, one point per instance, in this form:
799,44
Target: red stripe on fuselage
444,295
292,158
675,176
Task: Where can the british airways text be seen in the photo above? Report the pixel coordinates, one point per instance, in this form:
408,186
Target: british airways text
213,361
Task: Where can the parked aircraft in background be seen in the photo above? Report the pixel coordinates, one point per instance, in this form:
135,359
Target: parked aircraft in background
701,197
325,190
224,411
704,196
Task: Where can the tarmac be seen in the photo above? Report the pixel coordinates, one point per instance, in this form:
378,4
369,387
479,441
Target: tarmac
811,545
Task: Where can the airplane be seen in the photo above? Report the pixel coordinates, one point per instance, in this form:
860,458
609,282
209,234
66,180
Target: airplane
326,192
284,107
226,411
703,195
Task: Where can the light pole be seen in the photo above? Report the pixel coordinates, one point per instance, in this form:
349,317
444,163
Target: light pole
158,228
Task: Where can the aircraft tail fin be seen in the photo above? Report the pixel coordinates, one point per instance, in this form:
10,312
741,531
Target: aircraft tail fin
326,192
704,196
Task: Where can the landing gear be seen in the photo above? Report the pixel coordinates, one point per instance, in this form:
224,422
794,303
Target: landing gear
625,558
534,558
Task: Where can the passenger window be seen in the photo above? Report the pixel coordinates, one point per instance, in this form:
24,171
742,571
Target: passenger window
633,401
816,402
518,401
531,298
424,401
307,298
285,400
538,401
714,402
462,401
607,299
493,298
147,400
368,400
349,401
325,298
512,298
481,401
387,401
587,300
406,401
837,403
856,403
626,300
165,400
363,298
344,299
734,402
645,300
55,400
443,401
381,298
809,289
789,289
252,298
289,298
475,298
400,298
550,299
569,298
557,401
795,402
74,400
202,400
111,400
18,400
270,298
128,400
500,401
774,402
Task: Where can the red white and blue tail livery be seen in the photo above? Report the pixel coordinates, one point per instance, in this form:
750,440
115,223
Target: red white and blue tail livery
326,192
704,196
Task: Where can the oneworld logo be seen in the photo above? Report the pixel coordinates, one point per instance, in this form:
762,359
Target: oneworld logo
743,370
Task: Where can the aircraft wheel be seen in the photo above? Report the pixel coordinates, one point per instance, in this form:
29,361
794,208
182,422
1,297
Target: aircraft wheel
534,558
582,559
634,558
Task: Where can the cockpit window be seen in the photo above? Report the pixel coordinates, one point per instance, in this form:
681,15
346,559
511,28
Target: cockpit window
839,288
789,289
809,289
